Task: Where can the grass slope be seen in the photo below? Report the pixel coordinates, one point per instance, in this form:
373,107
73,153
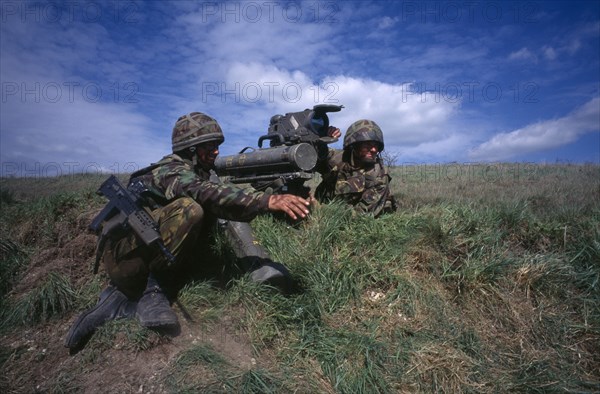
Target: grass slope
486,280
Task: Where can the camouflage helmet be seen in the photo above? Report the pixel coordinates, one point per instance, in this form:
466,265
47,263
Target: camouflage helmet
363,130
193,129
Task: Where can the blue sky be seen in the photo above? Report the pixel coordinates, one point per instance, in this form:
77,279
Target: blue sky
97,86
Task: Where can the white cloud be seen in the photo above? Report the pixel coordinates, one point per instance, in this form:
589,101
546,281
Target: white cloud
406,117
276,36
523,54
63,102
451,147
78,136
549,53
573,46
541,135
584,35
387,22
366,61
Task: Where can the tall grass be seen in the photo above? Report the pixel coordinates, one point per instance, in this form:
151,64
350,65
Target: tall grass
486,280
12,261
51,299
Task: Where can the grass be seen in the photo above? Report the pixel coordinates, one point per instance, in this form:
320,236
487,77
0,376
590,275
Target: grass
12,262
201,369
51,299
123,334
486,280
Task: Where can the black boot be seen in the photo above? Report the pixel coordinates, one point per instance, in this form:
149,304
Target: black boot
112,305
270,273
253,257
153,309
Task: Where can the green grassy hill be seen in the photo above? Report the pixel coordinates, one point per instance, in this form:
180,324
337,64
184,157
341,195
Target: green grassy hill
485,280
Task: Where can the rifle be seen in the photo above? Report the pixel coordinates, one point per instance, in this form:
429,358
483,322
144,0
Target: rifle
298,140
126,211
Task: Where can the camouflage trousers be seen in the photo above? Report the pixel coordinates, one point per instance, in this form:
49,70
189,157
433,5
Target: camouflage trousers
186,231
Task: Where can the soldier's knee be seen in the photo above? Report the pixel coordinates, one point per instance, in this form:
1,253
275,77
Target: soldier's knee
192,211
183,210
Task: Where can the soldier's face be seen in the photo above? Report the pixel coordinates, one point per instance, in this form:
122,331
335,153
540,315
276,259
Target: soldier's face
207,153
366,152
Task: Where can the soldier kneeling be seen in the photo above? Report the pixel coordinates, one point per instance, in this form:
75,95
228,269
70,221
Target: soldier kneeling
186,200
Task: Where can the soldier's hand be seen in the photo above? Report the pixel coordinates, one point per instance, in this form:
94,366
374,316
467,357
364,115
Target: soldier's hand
334,132
292,205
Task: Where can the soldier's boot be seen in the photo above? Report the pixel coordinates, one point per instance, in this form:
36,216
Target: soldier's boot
270,273
253,257
112,304
154,309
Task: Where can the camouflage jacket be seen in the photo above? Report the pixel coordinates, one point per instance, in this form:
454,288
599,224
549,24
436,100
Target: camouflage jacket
368,191
173,177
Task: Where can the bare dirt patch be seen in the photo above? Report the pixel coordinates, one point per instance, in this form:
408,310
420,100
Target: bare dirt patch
39,362
35,359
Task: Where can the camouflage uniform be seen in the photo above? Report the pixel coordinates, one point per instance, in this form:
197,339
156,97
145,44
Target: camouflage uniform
185,204
366,188
185,201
